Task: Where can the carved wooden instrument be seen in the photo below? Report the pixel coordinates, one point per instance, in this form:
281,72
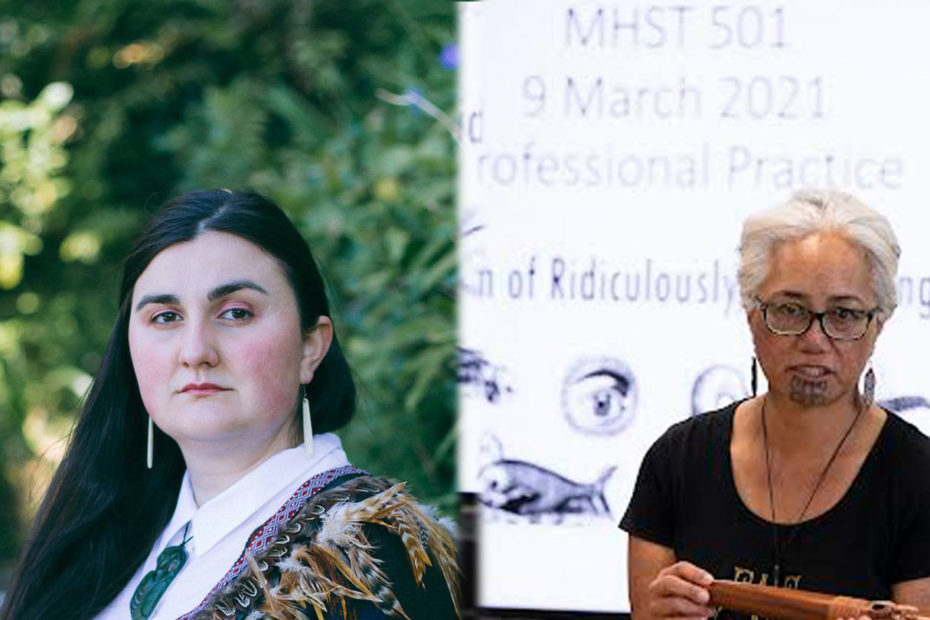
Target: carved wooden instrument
789,604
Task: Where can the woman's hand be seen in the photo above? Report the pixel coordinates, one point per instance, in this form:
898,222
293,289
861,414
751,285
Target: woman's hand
661,587
680,590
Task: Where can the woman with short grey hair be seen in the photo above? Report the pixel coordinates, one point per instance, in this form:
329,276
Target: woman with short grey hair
810,485
810,212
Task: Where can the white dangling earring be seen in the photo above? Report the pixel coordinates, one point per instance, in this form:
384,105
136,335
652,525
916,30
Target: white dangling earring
308,426
150,445
868,386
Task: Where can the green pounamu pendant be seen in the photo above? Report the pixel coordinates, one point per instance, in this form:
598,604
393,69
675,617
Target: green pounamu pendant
153,585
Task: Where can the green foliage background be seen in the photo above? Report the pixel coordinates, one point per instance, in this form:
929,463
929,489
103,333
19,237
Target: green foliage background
109,107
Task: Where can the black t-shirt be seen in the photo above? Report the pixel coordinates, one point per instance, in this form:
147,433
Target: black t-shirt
878,534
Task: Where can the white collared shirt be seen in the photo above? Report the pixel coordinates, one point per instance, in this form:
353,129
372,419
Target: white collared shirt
221,527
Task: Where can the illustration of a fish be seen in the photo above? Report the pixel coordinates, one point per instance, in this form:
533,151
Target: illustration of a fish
530,490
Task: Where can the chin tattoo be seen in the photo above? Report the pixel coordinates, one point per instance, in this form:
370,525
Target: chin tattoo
808,392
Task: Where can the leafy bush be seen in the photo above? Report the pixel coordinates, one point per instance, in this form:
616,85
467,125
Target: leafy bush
109,108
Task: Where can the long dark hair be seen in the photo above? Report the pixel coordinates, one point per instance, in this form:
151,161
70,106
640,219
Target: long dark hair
104,509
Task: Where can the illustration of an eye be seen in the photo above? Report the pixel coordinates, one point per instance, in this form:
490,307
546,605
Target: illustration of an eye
716,387
599,396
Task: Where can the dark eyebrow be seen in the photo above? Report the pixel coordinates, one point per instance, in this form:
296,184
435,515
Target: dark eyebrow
227,289
157,299
219,292
622,382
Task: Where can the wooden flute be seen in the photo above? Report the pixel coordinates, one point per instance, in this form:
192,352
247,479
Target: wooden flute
789,604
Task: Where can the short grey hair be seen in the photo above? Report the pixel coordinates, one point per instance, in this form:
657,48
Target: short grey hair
820,211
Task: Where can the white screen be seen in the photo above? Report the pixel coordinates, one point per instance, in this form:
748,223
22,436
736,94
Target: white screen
609,154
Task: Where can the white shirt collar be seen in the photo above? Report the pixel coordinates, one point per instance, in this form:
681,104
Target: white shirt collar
211,522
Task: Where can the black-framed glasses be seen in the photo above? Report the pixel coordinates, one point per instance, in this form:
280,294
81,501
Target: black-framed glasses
789,318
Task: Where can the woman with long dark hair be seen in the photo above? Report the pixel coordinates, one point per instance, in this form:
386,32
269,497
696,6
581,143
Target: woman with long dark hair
202,479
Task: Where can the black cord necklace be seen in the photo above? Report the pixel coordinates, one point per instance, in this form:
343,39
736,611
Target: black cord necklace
776,547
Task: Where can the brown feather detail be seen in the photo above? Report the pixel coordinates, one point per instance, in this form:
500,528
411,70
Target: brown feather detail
418,531
332,562
322,558
444,549
276,604
302,587
408,528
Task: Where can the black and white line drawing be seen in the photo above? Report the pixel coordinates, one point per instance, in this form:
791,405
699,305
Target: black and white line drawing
599,395
477,373
476,273
535,492
717,386
900,404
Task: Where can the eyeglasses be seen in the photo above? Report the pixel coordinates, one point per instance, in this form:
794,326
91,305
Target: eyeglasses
790,318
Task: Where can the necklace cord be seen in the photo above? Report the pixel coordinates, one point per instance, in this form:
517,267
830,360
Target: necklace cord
776,546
